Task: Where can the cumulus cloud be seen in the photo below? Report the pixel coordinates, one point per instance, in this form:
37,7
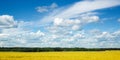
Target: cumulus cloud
64,28
59,37
42,9
67,23
75,24
7,21
15,37
107,38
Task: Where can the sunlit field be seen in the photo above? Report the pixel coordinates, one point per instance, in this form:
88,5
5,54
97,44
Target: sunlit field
82,55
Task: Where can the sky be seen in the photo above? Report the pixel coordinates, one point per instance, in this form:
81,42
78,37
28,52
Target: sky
60,23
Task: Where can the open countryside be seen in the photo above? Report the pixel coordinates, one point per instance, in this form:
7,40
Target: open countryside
59,29
76,55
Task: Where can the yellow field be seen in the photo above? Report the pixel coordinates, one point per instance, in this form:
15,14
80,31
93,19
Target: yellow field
102,55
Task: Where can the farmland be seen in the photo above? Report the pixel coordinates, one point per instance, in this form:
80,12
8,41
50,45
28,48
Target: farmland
76,55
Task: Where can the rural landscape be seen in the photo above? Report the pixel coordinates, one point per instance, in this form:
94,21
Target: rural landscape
59,53
78,55
59,29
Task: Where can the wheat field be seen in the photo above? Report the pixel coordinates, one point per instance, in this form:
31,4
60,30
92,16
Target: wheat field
82,55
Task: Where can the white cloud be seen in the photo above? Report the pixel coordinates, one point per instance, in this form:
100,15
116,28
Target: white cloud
63,29
85,39
7,21
15,37
105,39
79,8
75,27
66,23
63,37
42,9
89,19
86,6
53,5
3,35
75,24
58,21
1,44
72,24
37,34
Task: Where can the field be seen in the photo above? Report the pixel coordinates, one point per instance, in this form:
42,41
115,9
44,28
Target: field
81,55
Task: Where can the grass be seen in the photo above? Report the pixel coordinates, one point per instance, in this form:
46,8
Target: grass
80,55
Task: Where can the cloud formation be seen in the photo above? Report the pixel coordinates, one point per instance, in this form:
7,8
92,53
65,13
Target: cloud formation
7,21
42,9
61,37
86,6
62,28
75,24
73,11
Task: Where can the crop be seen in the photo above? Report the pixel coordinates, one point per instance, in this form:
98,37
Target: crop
79,55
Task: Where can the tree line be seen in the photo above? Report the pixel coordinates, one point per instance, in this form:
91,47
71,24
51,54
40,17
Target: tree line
49,49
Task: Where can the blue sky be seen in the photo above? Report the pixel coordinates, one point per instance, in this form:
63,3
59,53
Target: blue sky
23,9
60,23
